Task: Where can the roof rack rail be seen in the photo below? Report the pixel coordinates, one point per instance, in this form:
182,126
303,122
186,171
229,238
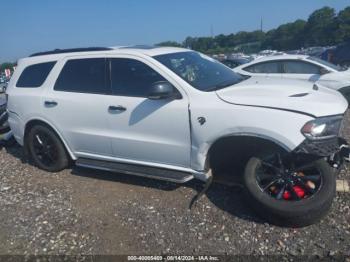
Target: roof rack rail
71,50
138,47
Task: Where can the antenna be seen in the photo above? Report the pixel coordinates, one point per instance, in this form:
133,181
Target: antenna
211,31
261,24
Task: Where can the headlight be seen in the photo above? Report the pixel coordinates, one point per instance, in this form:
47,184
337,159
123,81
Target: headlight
322,128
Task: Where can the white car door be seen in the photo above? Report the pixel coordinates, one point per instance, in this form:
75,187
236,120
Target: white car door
143,129
301,70
77,105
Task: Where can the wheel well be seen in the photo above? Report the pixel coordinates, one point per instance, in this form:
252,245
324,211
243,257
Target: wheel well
35,122
228,156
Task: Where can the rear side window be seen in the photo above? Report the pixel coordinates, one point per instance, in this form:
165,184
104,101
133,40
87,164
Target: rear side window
264,68
83,76
35,75
299,67
130,77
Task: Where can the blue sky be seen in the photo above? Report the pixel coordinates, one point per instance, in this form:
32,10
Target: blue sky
38,25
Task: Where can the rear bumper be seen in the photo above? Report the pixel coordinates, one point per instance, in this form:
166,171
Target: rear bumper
17,127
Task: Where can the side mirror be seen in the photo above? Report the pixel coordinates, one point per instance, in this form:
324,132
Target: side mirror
323,71
162,90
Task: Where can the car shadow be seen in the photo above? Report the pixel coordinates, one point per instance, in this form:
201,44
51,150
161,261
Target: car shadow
16,151
123,178
146,108
229,198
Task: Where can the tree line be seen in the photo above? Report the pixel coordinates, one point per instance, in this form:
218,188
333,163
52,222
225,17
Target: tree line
324,27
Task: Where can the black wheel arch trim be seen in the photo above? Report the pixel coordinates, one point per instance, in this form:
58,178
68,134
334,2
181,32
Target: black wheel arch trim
43,122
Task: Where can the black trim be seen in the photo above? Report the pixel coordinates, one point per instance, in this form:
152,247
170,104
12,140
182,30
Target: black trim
71,50
322,148
137,169
144,47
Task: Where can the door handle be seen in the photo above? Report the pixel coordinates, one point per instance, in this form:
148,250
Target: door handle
50,103
116,108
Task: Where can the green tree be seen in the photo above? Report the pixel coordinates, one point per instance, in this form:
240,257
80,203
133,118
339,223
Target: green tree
323,27
343,21
7,65
286,37
169,43
320,27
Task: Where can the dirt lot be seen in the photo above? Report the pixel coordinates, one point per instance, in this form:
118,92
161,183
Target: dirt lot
81,211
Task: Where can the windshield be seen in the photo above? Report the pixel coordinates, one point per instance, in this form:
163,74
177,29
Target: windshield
323,62
200,71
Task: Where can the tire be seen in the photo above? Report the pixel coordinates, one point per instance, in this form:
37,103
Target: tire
290,213
59,158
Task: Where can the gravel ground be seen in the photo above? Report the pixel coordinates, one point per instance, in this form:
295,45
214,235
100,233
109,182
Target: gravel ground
81,211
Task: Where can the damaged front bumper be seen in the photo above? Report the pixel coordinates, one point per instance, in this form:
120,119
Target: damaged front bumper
322,147
336,150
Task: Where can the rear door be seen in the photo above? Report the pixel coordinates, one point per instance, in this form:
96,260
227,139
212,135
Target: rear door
301,70
77,105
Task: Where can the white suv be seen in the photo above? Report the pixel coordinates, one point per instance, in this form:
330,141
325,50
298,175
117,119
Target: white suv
175,114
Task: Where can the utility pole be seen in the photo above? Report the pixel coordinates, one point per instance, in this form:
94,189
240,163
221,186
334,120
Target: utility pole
211,31
261,24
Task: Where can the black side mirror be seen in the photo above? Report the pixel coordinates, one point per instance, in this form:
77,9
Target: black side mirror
163,90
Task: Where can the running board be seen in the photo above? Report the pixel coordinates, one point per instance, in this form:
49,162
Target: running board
137,170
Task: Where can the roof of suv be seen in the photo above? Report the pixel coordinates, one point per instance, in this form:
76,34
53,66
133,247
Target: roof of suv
139,49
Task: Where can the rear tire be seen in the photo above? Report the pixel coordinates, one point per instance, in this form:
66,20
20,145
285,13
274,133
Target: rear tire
46,149
290,213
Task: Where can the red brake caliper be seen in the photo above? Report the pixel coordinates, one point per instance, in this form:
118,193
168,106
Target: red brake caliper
298,190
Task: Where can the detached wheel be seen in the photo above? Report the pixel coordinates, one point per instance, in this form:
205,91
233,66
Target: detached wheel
293,196
46,149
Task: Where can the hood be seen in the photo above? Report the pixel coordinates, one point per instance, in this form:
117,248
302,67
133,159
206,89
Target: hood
290,95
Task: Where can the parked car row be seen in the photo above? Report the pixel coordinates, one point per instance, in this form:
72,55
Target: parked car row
3,84
175,114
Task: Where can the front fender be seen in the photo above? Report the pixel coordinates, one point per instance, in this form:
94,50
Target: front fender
224,120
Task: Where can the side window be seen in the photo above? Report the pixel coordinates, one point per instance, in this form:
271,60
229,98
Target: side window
300,67
35,75
83,76
130,77
264,68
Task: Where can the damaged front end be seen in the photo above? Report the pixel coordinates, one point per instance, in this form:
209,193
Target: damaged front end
323,141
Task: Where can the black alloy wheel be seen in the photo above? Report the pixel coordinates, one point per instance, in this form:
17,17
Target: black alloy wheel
293,183
46,149
287,193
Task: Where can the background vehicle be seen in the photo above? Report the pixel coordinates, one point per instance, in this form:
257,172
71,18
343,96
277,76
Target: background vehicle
175,114
234,62
300,67
340,55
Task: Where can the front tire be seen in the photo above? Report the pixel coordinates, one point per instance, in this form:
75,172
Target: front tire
293,209
46,149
